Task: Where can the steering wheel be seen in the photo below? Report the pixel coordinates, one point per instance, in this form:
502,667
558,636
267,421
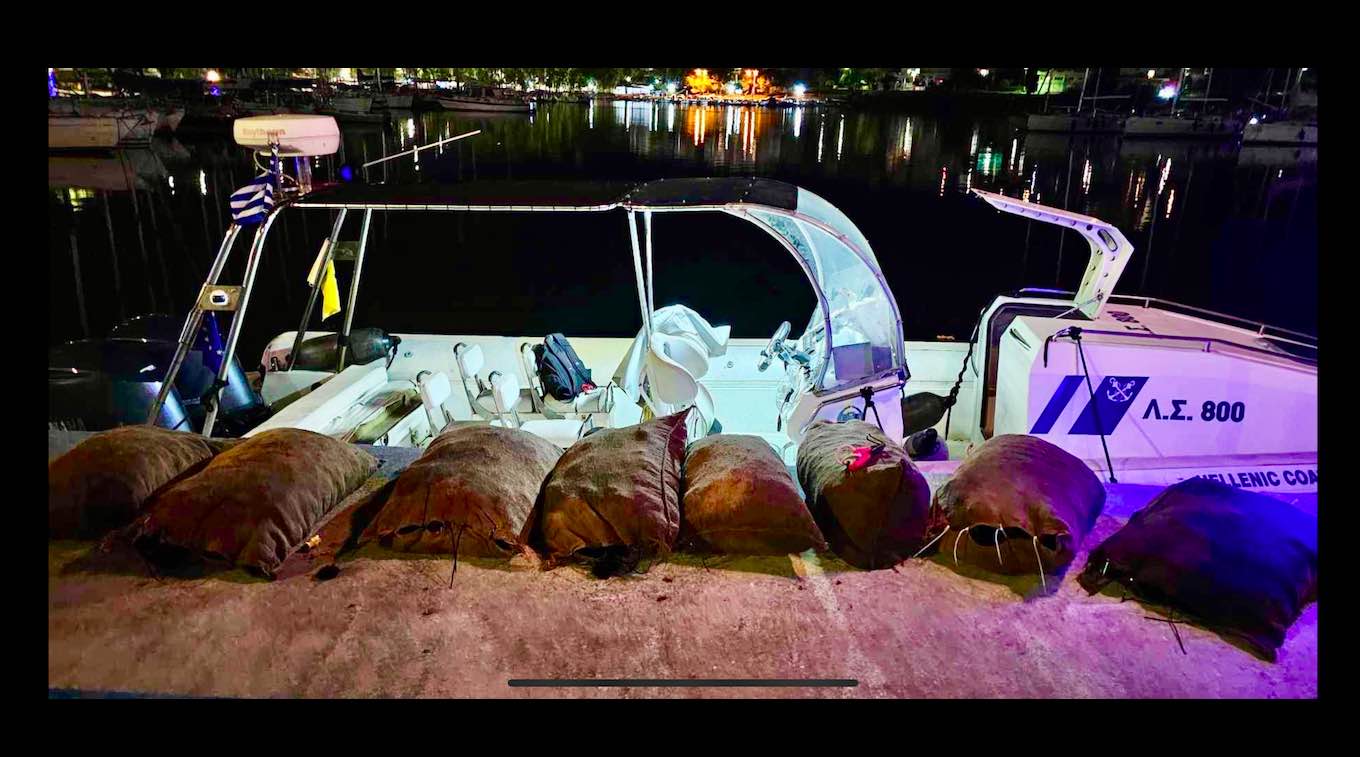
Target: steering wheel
775,347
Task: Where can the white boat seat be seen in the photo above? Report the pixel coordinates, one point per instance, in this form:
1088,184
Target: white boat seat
686,350
563,432
471,360
673,384
435,389
668,379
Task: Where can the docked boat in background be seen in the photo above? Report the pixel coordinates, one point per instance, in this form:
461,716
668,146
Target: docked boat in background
1183,126
1291,121
164,119
347,104
480,98
1290,132
101,132
1076,120
1178,122
1075,123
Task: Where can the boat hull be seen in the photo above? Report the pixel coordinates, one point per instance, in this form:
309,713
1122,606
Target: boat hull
394,102
98,132
351,105
475,104
1151,127
1280,133
1081,124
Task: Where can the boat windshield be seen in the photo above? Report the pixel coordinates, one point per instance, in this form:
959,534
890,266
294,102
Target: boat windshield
865,331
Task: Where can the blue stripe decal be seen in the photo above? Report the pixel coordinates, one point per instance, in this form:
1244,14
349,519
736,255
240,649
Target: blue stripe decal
1113,396
1056,404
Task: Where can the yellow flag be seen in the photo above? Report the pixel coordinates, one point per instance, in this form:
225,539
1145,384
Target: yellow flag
330,292
316,264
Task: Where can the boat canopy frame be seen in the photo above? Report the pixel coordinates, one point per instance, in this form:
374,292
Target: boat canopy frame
851,291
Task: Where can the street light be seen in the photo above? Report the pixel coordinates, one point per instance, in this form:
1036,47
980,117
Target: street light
1152,73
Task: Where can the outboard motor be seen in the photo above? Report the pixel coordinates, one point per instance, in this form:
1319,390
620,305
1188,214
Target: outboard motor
98,384
320,353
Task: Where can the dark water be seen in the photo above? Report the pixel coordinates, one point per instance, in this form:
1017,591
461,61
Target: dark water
1228,228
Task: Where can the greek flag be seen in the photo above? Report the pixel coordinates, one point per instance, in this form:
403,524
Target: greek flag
251,203
209,342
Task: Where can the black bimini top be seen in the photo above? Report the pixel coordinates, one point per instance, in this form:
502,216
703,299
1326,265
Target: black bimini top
555,195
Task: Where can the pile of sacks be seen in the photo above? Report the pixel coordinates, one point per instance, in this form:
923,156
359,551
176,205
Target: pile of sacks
180,498
1243,563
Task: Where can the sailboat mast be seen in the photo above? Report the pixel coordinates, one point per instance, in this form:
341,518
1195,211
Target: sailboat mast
1180,85
1082,97
1208,87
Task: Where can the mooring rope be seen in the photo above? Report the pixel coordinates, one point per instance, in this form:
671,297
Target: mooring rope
932,541
956,544
1037,558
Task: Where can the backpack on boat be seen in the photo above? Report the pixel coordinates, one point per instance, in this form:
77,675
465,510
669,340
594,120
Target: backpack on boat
559,368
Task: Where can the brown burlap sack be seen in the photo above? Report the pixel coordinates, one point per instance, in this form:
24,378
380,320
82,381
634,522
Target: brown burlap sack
254,503
1016,502
874,517
614,496
739,499
474,488
1240,562
103,482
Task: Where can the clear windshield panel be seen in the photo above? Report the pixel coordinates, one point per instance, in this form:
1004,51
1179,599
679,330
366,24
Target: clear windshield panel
862,342
815,207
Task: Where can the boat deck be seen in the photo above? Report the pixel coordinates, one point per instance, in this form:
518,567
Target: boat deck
391,625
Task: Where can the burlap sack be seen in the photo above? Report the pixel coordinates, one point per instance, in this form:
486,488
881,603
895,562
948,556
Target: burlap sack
1240,562
475,487
103,482
739,499
254,503
614,496
874,517
1015,502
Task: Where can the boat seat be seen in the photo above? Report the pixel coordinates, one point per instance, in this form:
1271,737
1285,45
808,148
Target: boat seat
470,360
562,432
435,389
598,400
672,383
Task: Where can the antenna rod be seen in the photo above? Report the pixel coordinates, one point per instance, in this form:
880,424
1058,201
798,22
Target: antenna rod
422,147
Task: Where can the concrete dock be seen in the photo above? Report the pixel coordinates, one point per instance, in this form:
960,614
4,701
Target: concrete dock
389,625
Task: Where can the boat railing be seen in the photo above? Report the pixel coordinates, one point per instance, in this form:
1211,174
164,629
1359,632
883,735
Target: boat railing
1263,330
1206,342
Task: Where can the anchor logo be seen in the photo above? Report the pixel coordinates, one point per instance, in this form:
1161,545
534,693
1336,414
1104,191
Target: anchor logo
1117,393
